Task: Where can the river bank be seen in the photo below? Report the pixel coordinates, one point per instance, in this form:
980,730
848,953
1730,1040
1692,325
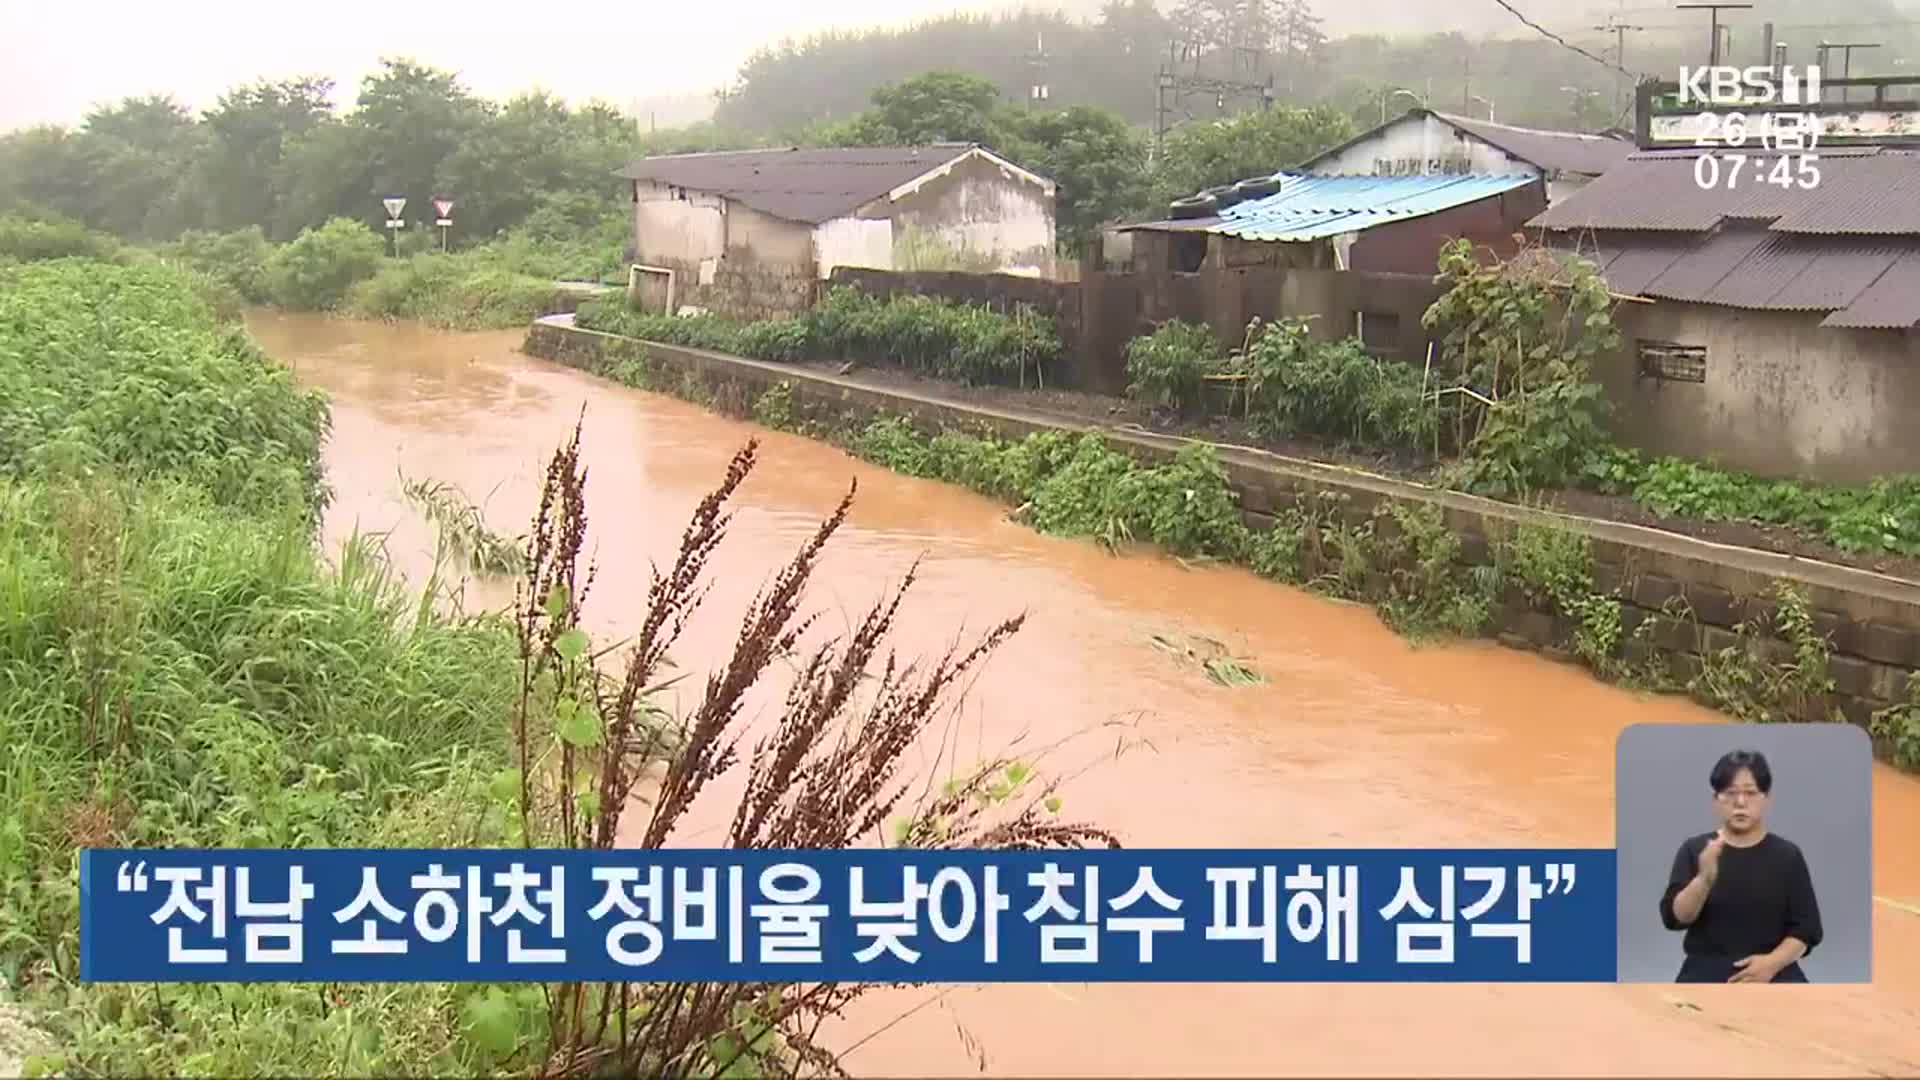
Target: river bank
1354,738
1660,609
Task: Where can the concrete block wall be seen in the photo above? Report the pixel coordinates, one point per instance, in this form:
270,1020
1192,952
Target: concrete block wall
1695,593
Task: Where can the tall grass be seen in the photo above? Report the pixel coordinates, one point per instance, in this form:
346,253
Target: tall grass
179,667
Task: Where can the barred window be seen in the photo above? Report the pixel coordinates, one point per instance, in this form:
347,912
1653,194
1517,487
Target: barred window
1672,362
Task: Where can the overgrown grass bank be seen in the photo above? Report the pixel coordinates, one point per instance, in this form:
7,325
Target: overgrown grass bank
343,266
965,342
178,667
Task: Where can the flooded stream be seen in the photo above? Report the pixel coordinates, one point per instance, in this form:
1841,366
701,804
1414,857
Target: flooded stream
1356,738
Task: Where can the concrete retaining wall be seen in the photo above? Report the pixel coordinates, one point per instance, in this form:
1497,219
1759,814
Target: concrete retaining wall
1694,593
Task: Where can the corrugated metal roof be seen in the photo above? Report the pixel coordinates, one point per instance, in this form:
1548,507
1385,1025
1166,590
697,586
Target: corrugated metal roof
1318,207
1862,191
1562,151
1695,274
1756,269
808,186
1890,303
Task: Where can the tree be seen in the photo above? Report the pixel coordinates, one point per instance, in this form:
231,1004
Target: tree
1097,162
1260,143
415,117
249,133
135,156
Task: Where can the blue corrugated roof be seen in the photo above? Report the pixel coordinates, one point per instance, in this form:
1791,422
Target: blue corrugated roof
1316,207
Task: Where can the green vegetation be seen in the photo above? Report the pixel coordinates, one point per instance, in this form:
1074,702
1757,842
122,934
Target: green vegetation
178,668
450,291
1295,385
33,239
1169,367
967,342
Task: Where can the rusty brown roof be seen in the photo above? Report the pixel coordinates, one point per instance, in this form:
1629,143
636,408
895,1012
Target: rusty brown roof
1865,191
1849,246
804,185
1557,151
1748,266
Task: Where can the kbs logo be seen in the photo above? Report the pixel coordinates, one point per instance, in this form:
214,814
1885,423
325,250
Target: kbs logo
1725,86
1763,121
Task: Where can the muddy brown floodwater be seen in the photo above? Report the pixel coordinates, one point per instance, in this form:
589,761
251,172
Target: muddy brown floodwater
1356,738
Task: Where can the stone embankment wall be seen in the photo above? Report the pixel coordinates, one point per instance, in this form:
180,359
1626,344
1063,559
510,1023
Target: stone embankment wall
1691,595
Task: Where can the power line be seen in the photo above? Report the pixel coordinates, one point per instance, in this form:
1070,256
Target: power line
1563,42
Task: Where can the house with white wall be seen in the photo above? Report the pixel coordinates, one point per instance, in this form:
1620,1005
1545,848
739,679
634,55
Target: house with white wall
1427,143
750,233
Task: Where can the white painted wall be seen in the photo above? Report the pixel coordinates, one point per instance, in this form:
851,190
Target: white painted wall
670,223
851,241
1403,146
1013,222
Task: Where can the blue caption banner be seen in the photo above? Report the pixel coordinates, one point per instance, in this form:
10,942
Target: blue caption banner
685,915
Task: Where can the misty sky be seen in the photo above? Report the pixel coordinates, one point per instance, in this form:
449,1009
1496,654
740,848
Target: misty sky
56,59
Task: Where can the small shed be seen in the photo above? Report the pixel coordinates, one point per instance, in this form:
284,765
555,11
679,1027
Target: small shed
1389,224
750,233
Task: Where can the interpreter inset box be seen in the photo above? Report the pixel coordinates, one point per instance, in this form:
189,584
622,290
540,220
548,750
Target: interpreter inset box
1745,853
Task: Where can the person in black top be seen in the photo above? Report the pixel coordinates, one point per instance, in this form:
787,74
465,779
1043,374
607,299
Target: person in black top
1743,895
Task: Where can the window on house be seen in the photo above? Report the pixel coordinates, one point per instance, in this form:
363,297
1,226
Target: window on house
1186,252
1379,331
1670,361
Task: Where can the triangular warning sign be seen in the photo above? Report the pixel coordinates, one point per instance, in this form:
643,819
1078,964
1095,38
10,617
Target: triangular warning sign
394,206
444,207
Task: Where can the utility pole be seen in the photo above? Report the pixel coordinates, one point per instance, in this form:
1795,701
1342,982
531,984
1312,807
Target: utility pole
1173,86
1619,30
1714,11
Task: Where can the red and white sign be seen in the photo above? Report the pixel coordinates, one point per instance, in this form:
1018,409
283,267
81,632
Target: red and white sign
444,207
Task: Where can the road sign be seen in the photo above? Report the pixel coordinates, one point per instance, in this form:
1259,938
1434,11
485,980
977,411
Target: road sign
394,206
444,222
396,223
444,207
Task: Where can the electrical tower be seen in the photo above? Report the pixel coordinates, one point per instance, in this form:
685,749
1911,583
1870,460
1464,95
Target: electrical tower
1182,81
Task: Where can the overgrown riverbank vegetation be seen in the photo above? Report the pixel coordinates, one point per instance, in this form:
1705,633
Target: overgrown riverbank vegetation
180,666
1521,336
944,339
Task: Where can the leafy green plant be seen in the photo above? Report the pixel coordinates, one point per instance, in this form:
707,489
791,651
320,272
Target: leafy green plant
1295,385
1429,592
34,239
1776,670
464,530
1168,368
451,291
315,270
1898,727
774,408
1520,335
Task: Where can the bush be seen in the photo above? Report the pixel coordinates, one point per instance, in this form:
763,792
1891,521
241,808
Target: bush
237,259
35,239
958,341
314,271
968,342
127,366
1169,366
453,292
1298,386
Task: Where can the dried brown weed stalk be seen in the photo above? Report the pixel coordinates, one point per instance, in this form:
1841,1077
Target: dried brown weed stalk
828,775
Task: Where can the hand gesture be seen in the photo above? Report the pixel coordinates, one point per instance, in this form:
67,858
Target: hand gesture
1755,969
1710,855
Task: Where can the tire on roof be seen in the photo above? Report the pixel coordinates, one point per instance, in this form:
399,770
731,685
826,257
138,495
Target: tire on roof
1257,187
1193,206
